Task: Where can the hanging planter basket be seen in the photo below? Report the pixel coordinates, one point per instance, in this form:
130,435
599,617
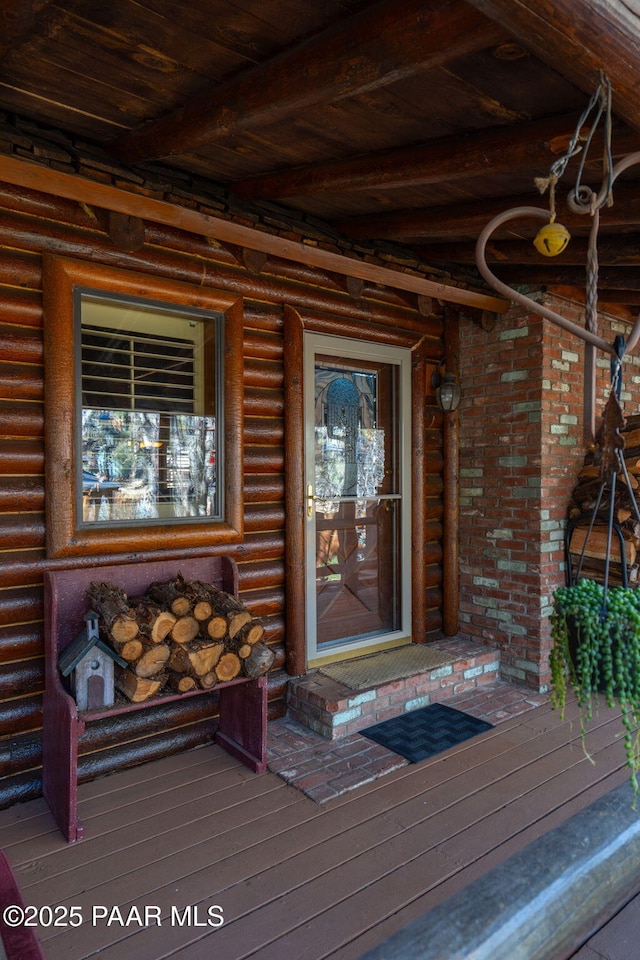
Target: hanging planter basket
596,652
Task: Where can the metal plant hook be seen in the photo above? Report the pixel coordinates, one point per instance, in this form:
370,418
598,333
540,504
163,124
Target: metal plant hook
514,295
583,200
541,214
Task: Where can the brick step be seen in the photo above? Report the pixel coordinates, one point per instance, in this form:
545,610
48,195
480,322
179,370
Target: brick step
334,710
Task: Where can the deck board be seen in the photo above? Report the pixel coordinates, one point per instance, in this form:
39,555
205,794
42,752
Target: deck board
148,817
296,879
429,848
357,903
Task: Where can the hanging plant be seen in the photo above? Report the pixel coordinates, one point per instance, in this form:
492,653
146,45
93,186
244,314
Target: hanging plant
596,652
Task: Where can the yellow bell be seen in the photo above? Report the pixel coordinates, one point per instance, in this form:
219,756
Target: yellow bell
552,239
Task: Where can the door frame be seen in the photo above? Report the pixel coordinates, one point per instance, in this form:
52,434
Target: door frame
425,347
341,347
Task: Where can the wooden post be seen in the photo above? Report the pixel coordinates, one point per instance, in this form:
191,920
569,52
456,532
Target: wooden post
296,662
418,495
451,516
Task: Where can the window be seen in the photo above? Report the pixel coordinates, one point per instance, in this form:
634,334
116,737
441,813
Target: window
149,438
143,421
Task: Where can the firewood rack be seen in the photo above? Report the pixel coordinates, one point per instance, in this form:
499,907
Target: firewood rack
242,703
572,576
610,445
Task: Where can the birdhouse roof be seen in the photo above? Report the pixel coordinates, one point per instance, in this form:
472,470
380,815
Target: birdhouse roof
80,647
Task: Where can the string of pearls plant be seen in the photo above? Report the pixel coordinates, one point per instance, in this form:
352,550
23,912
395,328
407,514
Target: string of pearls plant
596,651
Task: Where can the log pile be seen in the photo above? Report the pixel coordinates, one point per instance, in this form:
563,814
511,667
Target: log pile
181,635
583,503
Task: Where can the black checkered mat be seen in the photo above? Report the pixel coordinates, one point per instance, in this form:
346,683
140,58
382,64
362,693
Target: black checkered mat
423,733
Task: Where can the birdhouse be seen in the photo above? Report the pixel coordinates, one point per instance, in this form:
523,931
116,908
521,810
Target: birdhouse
88,662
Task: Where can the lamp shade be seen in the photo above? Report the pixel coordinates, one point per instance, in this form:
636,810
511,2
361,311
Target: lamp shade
448,393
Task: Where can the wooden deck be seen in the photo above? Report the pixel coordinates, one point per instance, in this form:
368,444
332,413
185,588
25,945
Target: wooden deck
295,879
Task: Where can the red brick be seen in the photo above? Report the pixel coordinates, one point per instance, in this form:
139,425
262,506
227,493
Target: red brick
492,427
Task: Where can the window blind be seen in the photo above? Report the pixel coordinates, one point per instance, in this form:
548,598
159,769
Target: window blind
129,370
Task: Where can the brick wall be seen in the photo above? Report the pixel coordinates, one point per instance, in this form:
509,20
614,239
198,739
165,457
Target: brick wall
522,448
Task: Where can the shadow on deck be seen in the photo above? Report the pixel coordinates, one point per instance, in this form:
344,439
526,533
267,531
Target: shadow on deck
196,837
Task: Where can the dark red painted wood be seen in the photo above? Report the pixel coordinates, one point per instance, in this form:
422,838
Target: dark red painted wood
242,702
20,943
242,728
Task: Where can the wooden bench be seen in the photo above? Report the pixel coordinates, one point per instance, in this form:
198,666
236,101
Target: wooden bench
20,942
242,724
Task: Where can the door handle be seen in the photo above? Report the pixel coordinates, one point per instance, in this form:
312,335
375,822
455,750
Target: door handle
310,498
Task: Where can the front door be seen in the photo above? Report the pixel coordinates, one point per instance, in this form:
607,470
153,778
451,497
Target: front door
357,413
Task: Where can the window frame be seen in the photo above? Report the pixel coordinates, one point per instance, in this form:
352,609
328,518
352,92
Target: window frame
66,536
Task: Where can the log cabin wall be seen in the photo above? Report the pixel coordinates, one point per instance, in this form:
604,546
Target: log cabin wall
32,224
521,450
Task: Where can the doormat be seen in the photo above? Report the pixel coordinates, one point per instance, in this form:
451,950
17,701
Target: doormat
385,667
425,732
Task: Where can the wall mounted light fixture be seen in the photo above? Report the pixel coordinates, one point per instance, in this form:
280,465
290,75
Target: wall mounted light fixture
447,390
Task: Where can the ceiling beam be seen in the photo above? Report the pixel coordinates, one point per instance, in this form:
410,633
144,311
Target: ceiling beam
379,46
428,223
529,147
627,298
623,303
17,18
621,250
470,219
609,278
73,187
578,38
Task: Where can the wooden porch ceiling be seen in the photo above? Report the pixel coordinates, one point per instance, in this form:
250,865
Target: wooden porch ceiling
412,121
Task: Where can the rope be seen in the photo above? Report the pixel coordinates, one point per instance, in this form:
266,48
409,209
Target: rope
603,98
584,196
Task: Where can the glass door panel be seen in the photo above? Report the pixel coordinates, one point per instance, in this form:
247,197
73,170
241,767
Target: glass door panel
355,501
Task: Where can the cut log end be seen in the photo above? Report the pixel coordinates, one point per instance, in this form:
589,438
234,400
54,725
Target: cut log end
259,661
202,610
216,627
124,629
130,650
152,661
228,667
181,684
185,629
137,689
251,633
162,626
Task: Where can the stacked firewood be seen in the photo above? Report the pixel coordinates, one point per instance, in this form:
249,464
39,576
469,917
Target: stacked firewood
184,635
583,504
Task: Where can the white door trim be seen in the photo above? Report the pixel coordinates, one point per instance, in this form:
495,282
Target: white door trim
344,347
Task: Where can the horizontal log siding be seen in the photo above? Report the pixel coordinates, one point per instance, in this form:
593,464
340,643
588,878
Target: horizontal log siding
32,224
